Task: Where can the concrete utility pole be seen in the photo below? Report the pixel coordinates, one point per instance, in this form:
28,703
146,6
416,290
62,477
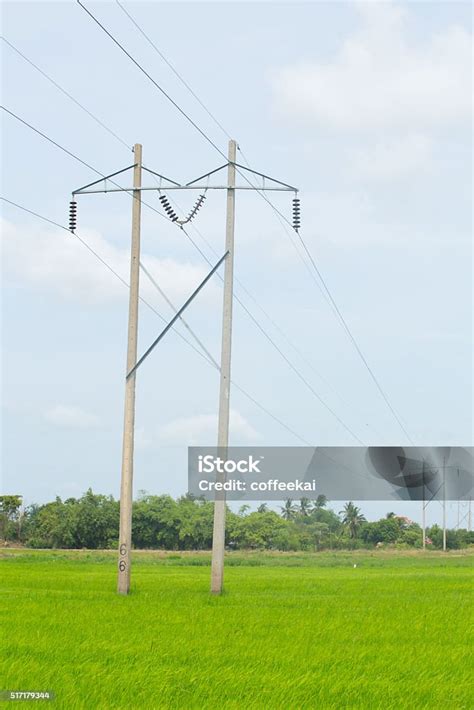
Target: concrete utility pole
126,486
218,539
444,504
423,522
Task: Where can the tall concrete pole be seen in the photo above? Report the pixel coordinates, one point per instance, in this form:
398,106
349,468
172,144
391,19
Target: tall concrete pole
444,504
126,487
218,536
423,522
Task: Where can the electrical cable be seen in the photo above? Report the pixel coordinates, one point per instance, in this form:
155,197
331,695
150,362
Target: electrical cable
211,361
137,64
72,155
173,69
66,93
256,322
261,193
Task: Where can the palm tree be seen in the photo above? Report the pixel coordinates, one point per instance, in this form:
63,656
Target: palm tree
305,506
262,508
320,502
352,518
289,510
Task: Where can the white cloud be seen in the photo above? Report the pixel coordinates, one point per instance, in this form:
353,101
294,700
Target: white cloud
379,80
201,430
53,261
69,416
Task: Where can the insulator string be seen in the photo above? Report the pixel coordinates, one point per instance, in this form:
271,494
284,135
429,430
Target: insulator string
72,215
172,214
296,214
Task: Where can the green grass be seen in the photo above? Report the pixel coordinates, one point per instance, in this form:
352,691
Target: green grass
291,631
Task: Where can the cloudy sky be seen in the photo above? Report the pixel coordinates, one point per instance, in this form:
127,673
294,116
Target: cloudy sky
365,106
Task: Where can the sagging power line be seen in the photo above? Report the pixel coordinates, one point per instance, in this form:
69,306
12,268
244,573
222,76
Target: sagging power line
100,186
202,351
282,218
287,339
129,191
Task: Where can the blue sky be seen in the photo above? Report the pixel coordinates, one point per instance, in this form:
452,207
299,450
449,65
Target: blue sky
366,107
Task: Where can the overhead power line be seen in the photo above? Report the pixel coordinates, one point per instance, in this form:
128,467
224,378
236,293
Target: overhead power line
126,145
157,86
260,327
286,359
76,157
206,356
66,93
278,328
50,140
355,343
173,69
123,143
326,293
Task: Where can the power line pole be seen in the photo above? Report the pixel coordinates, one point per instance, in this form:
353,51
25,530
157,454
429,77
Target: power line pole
126,486
164,185
218,537
423,522
444,504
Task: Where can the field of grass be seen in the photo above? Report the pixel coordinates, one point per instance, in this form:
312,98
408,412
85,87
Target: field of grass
291,631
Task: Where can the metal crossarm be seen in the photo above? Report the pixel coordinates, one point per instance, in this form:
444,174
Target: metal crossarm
266,177
102,179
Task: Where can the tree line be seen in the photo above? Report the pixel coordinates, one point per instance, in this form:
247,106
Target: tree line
185,523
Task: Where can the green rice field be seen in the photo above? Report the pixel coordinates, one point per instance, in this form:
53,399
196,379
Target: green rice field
291,631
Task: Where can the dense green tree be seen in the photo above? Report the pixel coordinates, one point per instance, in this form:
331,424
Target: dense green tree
321,534
10,517
386,530
455,539
55,525
412,536
160,522
155,522
327,516
257,530
97,520
196,520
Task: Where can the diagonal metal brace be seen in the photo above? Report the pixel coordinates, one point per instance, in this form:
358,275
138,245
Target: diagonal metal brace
176,316
102,179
